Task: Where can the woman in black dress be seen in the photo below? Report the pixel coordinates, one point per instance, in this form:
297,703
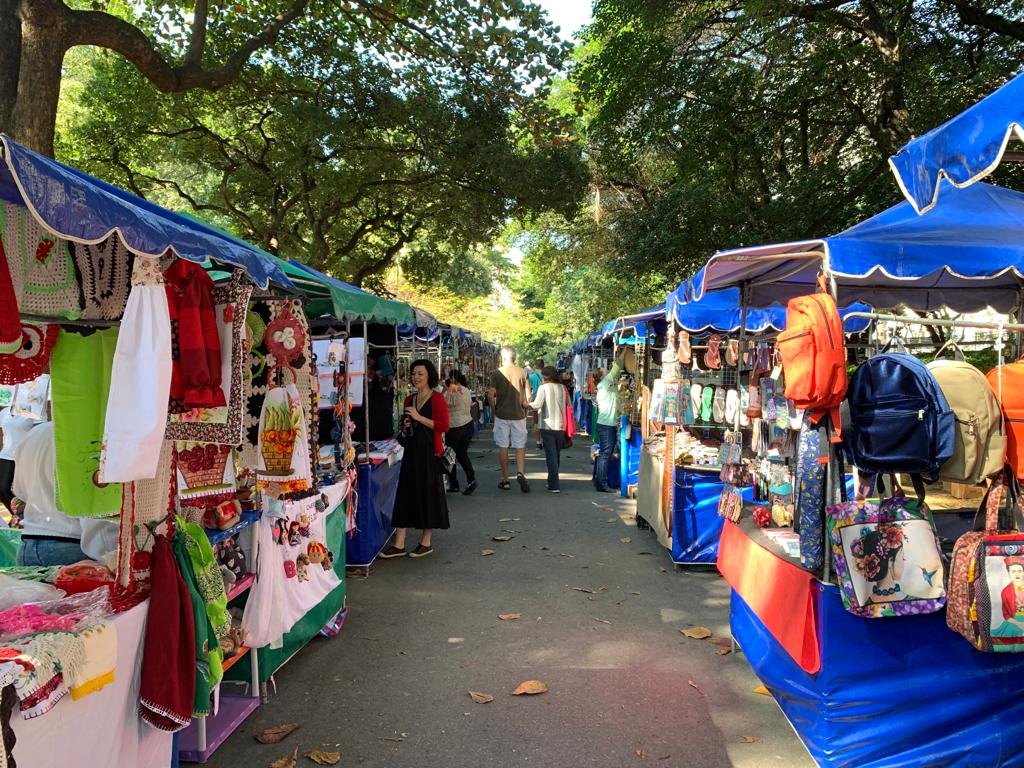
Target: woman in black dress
420,499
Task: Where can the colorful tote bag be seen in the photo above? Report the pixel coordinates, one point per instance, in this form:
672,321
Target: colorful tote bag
986,579
886,556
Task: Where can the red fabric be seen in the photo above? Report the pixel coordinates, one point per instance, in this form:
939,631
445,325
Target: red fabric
778,592
168,680
195,378
439,414
10,320
569,415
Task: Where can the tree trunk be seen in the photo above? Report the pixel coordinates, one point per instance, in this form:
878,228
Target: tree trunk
44,41
10,61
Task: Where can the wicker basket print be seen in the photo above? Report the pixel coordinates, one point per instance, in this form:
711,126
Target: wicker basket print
280,426
202,465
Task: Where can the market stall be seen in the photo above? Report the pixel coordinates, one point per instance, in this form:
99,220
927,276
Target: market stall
107,291
790,587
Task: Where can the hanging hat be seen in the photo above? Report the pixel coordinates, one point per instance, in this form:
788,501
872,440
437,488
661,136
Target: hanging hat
10,322
31,360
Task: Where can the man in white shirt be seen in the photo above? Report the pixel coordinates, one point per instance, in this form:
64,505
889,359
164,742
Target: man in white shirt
49,537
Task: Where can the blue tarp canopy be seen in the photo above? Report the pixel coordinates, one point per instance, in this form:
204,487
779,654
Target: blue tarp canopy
963,150
593,340
636,327
425,328
83,209
720,311
967,254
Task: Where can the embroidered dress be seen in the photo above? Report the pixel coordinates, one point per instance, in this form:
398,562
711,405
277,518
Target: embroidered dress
41,266
140,381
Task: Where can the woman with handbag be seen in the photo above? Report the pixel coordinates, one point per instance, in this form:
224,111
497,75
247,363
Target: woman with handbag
550,405
420,500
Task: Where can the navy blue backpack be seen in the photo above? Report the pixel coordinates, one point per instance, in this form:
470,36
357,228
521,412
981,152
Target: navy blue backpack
899,419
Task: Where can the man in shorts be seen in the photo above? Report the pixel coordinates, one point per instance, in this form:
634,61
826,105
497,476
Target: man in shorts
508,394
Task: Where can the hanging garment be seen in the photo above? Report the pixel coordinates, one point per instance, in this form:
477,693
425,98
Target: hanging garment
288,582
104,269
7,738
41,267
10,319
168,676
100,660
284,454
80,368
196,375
29,362
140,381
144,501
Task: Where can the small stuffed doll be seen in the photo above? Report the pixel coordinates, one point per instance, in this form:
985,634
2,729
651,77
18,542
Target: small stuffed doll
762,517
316,552
304,526
301,566
293,533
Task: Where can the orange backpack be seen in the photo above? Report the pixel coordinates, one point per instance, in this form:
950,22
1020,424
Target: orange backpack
1007,381
814,357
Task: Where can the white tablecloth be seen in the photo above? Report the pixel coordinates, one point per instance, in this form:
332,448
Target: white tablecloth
102,730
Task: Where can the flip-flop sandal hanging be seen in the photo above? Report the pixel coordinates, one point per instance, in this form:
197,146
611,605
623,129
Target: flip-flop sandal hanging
706,399
718,405
696,393
732,404
744,407
713,353
684,351
732,352
689,413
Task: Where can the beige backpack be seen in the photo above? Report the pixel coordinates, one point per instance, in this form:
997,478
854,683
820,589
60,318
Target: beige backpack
980,447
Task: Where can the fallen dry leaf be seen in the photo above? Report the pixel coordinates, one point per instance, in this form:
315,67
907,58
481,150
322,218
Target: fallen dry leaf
603,621
695,687
721,642
663,569
566,554
481,698
509,616
634,593
276,733
724,651
288,761
320,757
581,589
502,538
612,520
625,539
467,664
504,519
665,757
508,530
645,553
762,690
530,688
543,549
486,552
749,739
390,738
697,633
640,753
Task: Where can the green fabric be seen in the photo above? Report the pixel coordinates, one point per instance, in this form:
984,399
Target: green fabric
208,579
10,540
606,399
80,382
306,628
209,659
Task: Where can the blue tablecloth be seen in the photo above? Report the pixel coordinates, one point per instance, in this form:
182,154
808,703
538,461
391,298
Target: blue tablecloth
696,525
377,486
892,692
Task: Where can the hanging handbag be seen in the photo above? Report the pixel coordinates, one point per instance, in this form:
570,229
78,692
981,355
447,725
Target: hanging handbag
986,581
447,459
887,557
570,419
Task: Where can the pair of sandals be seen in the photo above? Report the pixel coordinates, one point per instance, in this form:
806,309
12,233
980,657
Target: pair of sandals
713,353
524,486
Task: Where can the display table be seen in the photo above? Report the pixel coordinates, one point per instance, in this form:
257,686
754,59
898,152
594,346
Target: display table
377,485
869,693
102,730
648,496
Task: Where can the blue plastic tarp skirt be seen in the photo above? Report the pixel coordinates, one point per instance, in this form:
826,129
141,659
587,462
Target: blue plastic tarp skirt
901,692
377,486
696,524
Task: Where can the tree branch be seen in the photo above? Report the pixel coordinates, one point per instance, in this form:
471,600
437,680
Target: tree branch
197,41
994,22
106,31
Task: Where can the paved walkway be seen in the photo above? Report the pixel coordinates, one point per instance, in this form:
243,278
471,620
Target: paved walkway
601,608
